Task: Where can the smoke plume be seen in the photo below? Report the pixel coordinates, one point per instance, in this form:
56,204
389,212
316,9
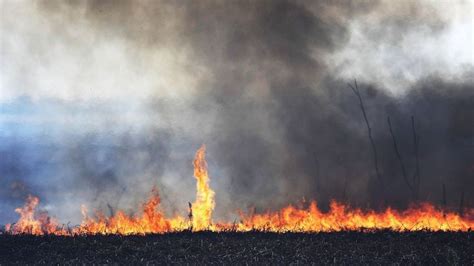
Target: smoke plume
102,100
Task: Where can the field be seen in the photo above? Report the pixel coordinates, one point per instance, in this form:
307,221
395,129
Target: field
244,248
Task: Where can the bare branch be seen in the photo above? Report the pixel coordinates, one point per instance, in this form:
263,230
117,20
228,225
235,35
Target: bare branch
395,147
416,177
356,91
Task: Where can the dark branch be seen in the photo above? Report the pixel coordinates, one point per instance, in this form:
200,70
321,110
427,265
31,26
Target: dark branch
395,147
416,177
356,91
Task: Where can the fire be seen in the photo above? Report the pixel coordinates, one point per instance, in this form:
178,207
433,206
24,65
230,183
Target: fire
152,220
422,217
204,204
29,223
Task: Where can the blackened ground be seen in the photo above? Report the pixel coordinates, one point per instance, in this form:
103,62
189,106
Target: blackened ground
245,248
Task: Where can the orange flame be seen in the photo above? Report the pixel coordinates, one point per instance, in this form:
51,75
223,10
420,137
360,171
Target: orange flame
30,224
421,217
340,217
151,221
204,204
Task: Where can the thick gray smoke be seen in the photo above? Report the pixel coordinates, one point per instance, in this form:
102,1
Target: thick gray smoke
122,93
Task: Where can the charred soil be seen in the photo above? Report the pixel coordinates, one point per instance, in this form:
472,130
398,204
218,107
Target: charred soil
380,247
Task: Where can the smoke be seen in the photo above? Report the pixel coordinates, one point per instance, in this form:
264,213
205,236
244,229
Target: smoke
102,100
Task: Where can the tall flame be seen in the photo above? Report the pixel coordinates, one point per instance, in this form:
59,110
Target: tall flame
204,204
289,219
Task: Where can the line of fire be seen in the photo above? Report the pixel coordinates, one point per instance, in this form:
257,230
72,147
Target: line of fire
151,220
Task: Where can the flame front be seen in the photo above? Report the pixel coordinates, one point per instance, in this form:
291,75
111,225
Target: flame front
152,220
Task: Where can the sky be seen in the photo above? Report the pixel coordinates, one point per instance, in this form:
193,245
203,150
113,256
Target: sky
102,100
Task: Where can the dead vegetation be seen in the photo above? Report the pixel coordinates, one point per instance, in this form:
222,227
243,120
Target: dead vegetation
382,247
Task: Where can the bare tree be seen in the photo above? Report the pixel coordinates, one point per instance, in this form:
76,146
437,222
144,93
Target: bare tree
416,141
397,152
414,183
356,91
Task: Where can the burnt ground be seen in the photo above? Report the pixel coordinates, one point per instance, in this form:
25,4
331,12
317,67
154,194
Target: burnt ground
244,248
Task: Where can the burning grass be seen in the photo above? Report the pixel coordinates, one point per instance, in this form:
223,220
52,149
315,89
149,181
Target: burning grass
151,220
423,234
